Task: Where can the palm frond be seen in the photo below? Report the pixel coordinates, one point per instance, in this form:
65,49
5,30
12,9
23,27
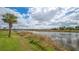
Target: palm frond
9,18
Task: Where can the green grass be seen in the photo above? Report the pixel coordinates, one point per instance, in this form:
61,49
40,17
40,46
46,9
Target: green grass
24,41
7,43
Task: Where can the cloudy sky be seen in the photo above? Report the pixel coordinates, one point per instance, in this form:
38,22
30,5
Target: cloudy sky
41,17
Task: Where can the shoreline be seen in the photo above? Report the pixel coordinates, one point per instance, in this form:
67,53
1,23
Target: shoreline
43,30
49,30
49,41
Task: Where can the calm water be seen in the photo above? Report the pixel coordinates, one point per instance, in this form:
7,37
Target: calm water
66,39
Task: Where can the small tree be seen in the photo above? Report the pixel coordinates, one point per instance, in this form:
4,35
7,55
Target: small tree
10,19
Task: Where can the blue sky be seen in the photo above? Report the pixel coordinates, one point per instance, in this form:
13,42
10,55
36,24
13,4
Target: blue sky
22,10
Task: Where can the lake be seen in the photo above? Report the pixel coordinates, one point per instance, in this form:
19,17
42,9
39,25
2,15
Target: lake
68,40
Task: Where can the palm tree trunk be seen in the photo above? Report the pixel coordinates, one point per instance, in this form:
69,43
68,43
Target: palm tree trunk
10,26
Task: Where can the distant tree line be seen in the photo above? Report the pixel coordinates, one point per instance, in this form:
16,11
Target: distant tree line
66,28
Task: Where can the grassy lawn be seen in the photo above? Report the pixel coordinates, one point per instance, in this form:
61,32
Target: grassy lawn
24,41
6,43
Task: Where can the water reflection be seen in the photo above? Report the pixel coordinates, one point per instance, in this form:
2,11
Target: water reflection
68,40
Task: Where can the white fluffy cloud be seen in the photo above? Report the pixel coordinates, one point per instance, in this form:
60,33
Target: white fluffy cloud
43,17
55,17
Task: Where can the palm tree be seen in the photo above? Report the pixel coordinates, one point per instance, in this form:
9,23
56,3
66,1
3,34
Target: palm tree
10,19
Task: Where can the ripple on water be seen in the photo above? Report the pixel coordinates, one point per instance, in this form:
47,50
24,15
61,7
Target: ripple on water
70,39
